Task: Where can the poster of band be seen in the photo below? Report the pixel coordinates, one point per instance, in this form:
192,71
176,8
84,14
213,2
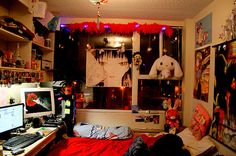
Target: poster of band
202,72
223,126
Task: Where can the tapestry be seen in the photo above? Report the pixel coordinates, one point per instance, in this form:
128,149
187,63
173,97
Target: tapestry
201,75
223,126
203,31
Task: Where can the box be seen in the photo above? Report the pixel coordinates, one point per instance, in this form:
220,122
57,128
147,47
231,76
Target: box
39,9
46,65
39,39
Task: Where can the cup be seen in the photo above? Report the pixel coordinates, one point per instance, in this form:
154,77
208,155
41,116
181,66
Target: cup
47,42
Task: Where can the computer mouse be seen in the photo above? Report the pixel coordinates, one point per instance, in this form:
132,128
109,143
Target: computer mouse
39,133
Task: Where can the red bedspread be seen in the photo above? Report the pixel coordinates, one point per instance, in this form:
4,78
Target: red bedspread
95,147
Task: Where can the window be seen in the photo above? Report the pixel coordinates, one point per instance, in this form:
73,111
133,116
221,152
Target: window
71,54
152,92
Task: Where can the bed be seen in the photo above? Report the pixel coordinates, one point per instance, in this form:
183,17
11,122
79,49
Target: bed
119,147
97,147
96,140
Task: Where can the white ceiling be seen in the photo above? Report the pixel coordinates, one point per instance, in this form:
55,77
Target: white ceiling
129,9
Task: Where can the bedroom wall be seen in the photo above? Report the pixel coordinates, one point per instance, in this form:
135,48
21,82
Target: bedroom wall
120,117
220,12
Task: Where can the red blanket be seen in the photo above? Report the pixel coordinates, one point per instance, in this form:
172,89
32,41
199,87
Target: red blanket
96,147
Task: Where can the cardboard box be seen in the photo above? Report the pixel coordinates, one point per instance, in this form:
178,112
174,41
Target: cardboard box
39,39
46,65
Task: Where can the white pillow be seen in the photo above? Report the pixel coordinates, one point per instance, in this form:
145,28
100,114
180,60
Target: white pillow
196,147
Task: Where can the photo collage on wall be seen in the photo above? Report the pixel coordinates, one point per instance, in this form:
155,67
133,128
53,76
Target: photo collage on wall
223,127
202,72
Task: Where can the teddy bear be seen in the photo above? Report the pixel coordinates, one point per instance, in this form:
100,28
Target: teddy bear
166,67
172,116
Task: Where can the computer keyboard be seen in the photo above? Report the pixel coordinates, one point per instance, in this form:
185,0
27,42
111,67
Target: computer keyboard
21,141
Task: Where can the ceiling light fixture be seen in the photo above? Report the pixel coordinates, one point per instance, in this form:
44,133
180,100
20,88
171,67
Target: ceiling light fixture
98,3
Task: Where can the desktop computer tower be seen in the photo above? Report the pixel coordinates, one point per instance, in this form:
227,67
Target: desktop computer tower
65,104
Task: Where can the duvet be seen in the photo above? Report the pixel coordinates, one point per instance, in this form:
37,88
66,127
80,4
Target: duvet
97,147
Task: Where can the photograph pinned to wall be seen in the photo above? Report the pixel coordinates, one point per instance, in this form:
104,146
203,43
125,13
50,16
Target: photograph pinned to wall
156,119
108,67
223,127
203,31
201,74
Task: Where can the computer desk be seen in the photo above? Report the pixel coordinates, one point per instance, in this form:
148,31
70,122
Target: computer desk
37,146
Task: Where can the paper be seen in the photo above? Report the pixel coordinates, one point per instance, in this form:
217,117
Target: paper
67,111
67,103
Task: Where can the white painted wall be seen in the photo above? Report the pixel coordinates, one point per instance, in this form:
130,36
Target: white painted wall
221,10
119,117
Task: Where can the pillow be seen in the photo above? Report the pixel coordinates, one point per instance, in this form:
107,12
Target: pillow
200,122
197,147
100,132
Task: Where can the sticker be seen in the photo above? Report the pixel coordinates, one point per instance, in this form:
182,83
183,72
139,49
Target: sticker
67,103
67,111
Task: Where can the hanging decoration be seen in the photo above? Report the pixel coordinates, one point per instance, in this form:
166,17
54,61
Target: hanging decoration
126,29
98,3
229,29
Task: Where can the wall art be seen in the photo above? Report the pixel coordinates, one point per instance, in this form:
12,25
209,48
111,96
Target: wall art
223,127
203,31
201,74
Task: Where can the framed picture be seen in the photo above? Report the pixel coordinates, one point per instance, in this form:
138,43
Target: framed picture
203,31
38,101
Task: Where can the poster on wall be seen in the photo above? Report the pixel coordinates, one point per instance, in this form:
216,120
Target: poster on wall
108,67
201,75
203,31
223,126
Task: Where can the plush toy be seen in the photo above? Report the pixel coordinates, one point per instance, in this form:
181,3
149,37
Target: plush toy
166,67
172,115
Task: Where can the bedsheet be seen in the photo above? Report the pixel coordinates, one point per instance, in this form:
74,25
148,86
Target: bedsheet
97,147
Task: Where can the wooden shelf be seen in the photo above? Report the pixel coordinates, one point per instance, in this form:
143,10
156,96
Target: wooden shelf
155,77
42,47
27,4
19,69
9,36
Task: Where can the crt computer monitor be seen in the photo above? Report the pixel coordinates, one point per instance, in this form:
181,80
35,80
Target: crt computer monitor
11,117
38,102
58,95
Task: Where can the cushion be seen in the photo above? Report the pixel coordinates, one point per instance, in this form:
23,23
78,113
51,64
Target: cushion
197,147
100,132
200,122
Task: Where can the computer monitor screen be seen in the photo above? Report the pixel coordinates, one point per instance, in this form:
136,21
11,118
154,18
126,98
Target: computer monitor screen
11,117
38,101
